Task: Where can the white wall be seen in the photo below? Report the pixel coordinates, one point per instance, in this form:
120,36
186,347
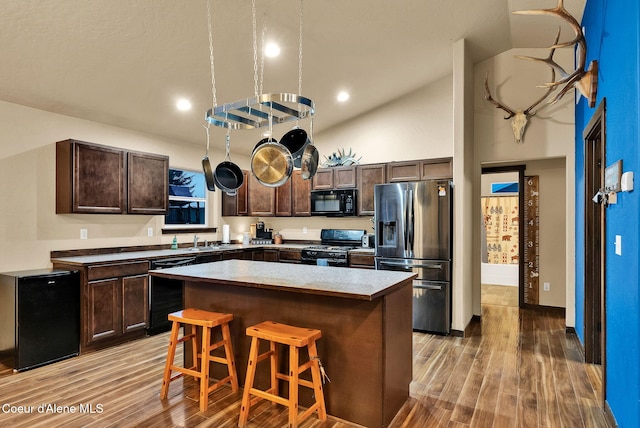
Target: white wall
29,226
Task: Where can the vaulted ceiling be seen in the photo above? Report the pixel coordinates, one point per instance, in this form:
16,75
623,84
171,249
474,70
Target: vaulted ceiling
126,62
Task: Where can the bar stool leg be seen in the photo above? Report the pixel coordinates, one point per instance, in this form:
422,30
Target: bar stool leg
231,362
193,331
274,360
204,372
175,329
251,373
317,381
293,386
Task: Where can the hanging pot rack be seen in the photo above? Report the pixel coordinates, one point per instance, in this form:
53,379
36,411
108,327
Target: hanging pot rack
253,112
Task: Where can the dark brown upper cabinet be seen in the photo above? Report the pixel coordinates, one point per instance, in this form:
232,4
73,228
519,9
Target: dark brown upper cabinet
147,183
89,178
416,170
337,177
292,198
96,179
368,176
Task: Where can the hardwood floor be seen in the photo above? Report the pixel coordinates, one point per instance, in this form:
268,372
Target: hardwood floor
499,295
518,368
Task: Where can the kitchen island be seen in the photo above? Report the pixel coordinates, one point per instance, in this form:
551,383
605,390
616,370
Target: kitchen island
364,316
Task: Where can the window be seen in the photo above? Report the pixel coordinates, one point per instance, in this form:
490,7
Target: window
187,200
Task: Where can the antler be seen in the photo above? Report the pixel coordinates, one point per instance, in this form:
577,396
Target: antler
488,97
584,80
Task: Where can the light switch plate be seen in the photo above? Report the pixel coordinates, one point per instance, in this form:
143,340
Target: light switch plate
618,245
150,231
84,234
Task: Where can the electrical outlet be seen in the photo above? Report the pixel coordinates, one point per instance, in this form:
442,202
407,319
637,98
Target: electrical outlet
150,231
305,230
547,286
84,234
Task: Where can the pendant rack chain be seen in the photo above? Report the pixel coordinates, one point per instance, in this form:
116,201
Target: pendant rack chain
213,75
263,109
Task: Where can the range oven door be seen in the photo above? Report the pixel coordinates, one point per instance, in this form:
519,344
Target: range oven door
431,291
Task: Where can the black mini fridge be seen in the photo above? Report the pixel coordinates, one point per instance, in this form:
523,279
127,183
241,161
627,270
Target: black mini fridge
39,316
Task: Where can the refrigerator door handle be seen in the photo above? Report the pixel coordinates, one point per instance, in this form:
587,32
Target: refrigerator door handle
429,287
412,265
410,225
405,231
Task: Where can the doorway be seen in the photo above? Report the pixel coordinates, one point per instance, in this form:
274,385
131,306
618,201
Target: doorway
502,235
594,256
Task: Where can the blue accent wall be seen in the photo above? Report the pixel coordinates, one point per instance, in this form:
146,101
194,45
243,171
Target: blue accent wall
613,38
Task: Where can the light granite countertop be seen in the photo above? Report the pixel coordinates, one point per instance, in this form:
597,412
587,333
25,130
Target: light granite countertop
359,284
181,252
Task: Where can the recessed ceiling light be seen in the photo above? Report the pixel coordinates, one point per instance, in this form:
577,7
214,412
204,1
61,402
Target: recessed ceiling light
343,96
183,104
271,50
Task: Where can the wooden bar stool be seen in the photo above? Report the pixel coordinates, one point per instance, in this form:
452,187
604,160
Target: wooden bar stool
295,338
206,321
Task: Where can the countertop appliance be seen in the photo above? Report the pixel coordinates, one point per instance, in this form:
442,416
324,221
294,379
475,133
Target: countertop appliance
39,316
334,203
413,234
334,247
165,295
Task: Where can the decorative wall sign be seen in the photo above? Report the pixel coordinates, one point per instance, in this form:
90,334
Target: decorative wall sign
531,240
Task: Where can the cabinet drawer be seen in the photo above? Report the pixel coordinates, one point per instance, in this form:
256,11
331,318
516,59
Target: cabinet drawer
366,261
290,256
117,269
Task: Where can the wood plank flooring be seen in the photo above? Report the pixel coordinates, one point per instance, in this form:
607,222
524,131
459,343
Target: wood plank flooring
518,368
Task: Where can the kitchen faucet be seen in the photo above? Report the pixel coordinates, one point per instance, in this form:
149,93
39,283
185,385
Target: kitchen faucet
195,241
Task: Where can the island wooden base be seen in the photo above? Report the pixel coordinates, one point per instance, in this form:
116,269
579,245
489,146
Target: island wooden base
366,346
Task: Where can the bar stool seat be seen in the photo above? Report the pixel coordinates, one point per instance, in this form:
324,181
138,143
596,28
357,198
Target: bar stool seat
205,321
295,338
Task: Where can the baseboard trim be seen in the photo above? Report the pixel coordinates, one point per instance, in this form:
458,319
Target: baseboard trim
467,330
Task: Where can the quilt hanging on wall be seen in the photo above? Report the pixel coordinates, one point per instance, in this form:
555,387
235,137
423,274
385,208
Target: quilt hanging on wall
500,218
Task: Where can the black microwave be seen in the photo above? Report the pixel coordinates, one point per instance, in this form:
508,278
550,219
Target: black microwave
335,203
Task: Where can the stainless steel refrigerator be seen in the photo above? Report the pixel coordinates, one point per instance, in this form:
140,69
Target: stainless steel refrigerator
413,234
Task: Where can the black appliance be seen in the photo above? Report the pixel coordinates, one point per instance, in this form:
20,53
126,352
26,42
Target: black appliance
165,295
413,234
334,203
39,316
334,247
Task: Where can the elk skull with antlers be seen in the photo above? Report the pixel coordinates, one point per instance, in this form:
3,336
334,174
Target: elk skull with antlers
521,117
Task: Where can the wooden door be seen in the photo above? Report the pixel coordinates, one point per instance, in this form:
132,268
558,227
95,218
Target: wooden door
103,305
135,303
323,180
344,177
147,183
89,178
262,199
283,199
594,256
368,177
300,195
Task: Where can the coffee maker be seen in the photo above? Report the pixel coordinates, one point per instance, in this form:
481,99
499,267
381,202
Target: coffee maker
262,232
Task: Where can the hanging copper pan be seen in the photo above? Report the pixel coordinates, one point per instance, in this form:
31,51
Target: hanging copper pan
271,164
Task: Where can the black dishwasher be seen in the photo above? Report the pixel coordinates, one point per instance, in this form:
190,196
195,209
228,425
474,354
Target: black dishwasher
39,316
165,295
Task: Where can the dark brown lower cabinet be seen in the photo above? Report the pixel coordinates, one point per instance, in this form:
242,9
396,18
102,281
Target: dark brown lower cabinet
114,304
363,261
